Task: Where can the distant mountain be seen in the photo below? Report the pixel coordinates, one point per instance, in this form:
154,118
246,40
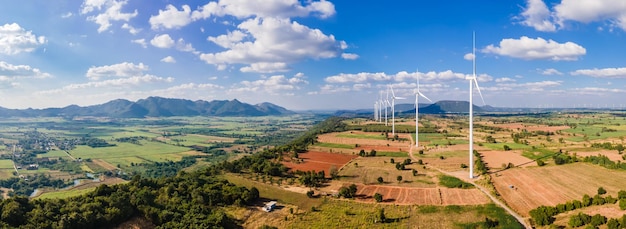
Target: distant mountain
447,106
154,107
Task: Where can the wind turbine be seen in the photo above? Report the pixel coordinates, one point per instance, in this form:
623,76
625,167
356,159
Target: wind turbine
380,107
386,105
393,111
472,81
376,111
417,95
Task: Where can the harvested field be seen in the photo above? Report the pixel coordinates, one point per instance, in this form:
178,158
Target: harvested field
104,164
422,196
370,168
611,154
528,188
318,161
495,159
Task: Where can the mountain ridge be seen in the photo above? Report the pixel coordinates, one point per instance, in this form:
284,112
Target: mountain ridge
154,107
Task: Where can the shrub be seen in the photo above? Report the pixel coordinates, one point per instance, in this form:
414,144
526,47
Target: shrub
380,180
310,194
601,191
622,204
378,197
540,162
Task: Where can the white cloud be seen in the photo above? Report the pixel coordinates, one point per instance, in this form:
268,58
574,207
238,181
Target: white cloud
349,56
602,73
134,80
9,72
551,71
269,8
533,49
181,45
171,18
538,16
275,85
162,41
124,69
468,56
141,42
381,77
132,30
228,40
359,77
332,89
264,67
168,59
67,15
504,80
14,40
112,12
273,40
530,86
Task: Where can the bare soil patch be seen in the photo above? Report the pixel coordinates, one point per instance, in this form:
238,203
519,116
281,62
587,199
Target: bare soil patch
318,161
527,188
611,154
495,159
368,144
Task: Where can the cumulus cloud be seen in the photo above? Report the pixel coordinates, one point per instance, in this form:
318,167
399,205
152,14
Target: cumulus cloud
14,40
468,56
168,59
171,18
381,77
602,73
10,71
112,12
162,41
271,8
265,67
272,40
122,70
275,85
533,49
504,80
133,80
530,86
540,17
551,71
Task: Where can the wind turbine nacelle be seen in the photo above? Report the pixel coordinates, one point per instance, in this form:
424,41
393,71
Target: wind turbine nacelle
470,78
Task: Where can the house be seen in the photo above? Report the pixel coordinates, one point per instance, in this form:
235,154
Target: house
269,206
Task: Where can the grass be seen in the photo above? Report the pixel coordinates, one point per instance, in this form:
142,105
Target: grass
453,182
500,146
362,136
349,214
65,193
53,154
122,149
334,145
276,193
538,153
6,164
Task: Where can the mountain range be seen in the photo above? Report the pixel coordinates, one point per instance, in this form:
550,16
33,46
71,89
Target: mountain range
154,107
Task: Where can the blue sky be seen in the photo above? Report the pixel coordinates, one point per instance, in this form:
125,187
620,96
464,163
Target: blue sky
312,54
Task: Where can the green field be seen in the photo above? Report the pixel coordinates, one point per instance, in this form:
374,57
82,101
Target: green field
62,194
6,164
122,149
362,136
334,145
392,154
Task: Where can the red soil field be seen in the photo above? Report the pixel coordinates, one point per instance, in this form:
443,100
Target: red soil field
368,144
318,161
422,196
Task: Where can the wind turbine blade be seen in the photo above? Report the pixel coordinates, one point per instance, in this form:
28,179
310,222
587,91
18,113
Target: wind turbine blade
393,95
399,98
481,94
423,96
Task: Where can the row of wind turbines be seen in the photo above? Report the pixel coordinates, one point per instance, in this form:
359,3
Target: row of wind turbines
381,105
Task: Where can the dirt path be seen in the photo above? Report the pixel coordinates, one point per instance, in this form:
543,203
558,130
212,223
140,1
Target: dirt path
519,218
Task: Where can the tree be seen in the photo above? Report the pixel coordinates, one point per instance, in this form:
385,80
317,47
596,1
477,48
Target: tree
381,216
310,193
622,204
400,166
414,172
540,162
380,180
378,197
613,224
392,161
421,151
334,172
362,153
506,148
399,178
372,153
601,191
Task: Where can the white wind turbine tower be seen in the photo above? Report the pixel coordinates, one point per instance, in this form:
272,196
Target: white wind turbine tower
380,107
386,106
417,95
376,111
393,111
472,81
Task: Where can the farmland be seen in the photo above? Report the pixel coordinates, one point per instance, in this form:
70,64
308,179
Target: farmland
70,148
